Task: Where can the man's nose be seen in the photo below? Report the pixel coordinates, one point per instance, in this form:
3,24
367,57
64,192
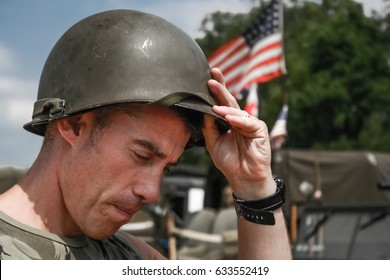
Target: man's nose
148,189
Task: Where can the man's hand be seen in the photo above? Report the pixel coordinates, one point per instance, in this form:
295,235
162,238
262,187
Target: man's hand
243,154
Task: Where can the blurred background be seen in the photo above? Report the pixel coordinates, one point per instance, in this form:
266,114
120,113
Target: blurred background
332,144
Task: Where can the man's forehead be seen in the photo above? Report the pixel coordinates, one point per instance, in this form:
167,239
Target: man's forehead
138,109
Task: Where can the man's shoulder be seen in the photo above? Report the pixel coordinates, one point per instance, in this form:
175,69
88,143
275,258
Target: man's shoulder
141,248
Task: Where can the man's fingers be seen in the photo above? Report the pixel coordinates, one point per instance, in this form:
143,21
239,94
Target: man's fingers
210,132
218,76
218,88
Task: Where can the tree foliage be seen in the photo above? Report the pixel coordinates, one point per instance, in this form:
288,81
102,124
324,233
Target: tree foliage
338,81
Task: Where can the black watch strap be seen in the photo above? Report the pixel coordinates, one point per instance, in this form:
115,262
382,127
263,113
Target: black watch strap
255,216
261,211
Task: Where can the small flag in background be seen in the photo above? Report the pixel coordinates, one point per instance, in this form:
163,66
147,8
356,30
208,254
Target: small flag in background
279,131
252,101
257,55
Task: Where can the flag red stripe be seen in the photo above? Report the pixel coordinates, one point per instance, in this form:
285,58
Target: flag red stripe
227,51
265,62
242,61
268,47
233,81
264,78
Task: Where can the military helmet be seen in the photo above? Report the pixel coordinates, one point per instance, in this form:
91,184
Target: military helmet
122,56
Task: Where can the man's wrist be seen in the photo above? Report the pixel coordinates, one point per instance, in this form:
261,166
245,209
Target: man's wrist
254,190
260,211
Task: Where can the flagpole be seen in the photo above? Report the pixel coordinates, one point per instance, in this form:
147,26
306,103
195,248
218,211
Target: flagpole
281,22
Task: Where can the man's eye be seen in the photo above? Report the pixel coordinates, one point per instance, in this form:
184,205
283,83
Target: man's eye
142,157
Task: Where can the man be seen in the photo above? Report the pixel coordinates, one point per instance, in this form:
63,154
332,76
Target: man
122,94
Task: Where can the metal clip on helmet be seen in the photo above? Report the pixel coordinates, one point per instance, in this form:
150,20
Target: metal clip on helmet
122,56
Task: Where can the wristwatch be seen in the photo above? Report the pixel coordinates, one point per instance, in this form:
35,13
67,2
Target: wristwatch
261,211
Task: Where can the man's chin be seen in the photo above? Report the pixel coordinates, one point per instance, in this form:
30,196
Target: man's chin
105,233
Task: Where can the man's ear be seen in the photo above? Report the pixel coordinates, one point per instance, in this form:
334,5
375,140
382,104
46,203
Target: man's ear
73,128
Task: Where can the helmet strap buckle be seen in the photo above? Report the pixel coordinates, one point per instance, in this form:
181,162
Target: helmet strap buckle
57,108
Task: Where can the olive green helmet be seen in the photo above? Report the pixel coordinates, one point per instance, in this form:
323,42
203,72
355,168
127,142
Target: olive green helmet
122,56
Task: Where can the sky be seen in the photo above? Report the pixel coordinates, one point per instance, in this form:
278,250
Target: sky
28,31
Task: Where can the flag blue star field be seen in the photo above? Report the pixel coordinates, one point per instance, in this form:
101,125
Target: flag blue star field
257,55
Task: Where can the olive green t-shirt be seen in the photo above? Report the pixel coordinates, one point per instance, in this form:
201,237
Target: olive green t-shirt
19,241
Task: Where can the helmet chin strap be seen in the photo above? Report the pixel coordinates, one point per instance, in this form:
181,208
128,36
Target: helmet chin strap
45,110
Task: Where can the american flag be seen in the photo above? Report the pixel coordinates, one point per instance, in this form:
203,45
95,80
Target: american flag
279,131
252,101
257,55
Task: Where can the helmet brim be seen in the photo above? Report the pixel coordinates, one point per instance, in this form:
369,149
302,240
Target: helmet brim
200,106
203,107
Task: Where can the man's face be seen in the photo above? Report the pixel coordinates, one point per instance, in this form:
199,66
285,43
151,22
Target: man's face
104,184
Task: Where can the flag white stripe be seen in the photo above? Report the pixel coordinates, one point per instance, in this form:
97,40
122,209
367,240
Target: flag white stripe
252,101
264,56
258,72
279,129
239,70
215,61
239,55
272,39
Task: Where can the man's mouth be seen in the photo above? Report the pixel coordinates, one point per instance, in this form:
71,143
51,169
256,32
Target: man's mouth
126,213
